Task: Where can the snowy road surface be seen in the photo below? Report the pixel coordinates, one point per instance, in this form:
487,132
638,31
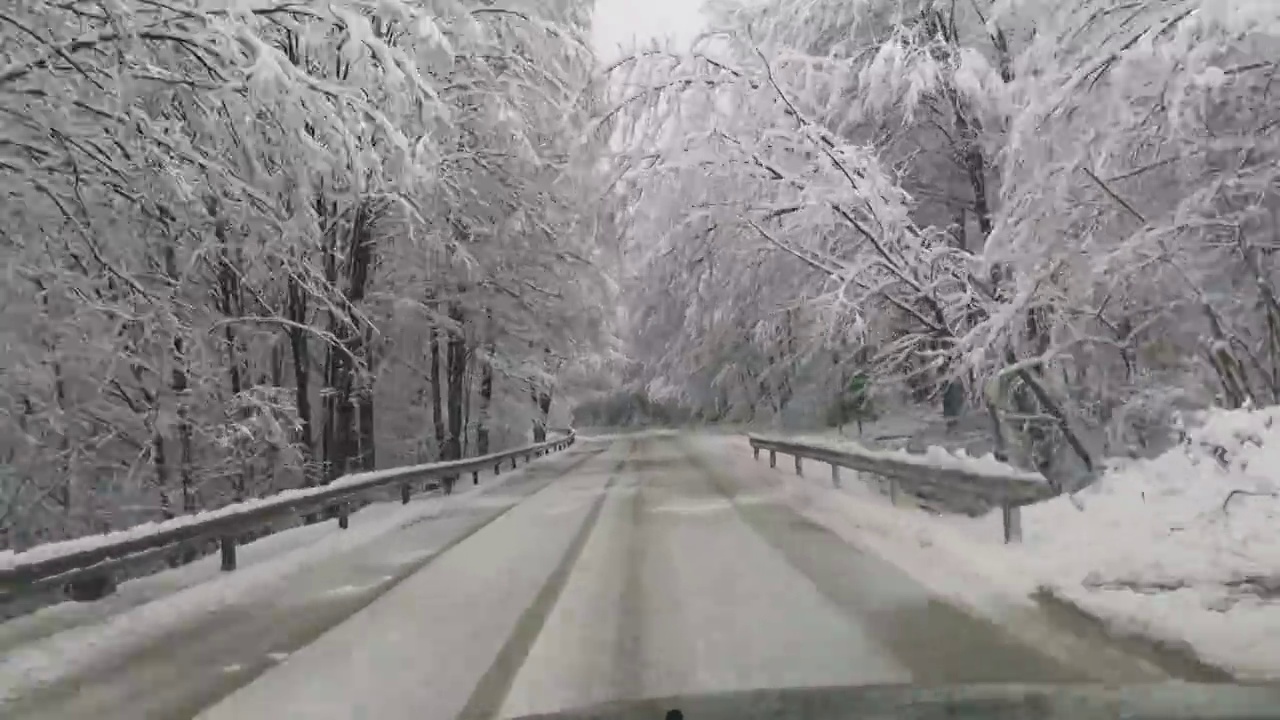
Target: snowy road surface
635,566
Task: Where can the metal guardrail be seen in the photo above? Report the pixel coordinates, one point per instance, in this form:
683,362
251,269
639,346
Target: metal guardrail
914,474
93,566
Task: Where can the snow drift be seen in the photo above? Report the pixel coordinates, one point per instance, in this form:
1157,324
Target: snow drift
1183,547
1204,514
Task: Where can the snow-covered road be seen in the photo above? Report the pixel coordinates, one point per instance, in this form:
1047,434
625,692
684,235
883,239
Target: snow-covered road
148,653
629,567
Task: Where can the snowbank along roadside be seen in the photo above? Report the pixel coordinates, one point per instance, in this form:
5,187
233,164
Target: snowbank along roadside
70,651
1183,548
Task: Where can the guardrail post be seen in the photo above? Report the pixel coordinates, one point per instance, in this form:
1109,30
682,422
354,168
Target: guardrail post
227,544
344,515
835,474
93,587
497,468
404,493
755,453
799,469
773,458
1012,523
893,491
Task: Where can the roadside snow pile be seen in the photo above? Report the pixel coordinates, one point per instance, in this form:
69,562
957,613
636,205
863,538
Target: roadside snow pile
1183,547
31,657
10,560
1204,514
40,553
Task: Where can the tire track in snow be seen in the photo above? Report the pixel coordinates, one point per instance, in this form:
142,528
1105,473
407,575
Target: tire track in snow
628,678
491,691
220,638
935,640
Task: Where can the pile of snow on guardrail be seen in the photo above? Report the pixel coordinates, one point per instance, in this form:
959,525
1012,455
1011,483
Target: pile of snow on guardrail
10,559
933,457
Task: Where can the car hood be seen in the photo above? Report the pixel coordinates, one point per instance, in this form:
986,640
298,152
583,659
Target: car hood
1163,701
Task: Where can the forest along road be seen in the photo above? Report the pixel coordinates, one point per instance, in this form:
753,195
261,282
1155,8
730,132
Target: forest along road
197,658
645,572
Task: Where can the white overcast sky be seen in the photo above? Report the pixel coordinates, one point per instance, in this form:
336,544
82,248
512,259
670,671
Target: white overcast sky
622,22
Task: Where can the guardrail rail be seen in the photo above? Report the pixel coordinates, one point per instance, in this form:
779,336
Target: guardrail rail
86,564
939,473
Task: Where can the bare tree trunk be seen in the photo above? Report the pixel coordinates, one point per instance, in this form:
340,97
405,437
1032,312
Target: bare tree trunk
63,494
241,482
186,460
437,394
486,395
66,496
541,394
228,300
330,435
542,400
466,401
366,445
161,464
276,379
785,390
180,385
348,356
1056,412
296,313
455,367
539,427
182,396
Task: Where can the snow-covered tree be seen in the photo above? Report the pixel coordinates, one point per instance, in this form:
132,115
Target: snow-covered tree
233,230
1050,208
